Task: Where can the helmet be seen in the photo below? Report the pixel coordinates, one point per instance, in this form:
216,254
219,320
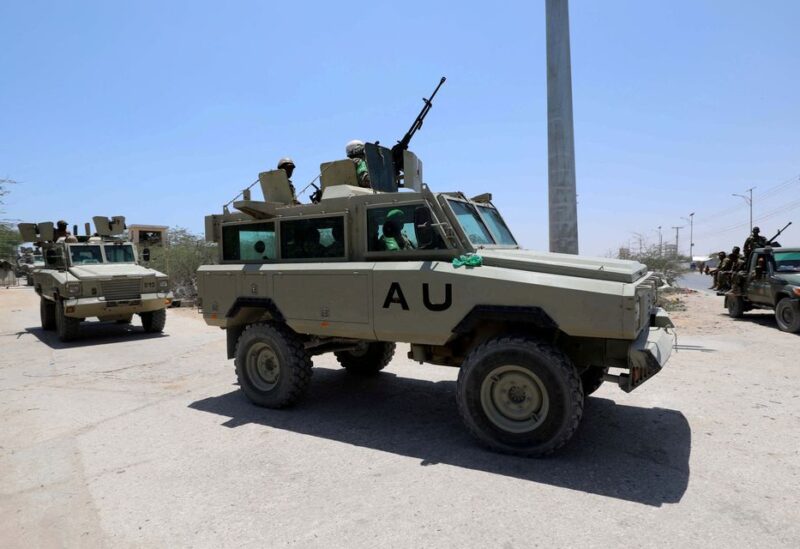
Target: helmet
61,223
285,162
354,148
756,230
395,215
736,249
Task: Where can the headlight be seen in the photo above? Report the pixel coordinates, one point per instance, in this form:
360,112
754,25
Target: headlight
163,284
73,288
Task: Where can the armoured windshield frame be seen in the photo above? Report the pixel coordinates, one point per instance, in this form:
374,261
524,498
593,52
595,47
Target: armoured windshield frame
480,216
70,247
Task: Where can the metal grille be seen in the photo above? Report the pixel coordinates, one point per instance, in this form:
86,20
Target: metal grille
122,289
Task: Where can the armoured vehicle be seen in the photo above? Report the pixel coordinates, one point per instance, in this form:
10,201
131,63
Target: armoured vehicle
364,268
28,259
772,282
95,276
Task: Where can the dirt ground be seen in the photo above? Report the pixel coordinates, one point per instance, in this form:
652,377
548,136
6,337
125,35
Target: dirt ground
124,439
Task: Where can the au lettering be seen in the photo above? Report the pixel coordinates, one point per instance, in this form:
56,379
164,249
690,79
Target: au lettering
395,296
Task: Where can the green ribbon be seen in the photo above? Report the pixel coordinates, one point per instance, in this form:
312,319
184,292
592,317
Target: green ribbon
469,260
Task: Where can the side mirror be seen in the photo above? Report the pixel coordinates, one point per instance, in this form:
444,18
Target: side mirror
423,227
146,254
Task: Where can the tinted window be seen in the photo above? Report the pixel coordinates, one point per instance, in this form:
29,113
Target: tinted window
248,242
471,223
85,255
119,254
392,229
787,262
497,226
318,238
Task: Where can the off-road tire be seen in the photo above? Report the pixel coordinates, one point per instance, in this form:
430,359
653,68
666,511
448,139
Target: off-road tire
374,358
592,379
154,321
67,327
557,382
272,365
126,320
735,306
787,314
47,312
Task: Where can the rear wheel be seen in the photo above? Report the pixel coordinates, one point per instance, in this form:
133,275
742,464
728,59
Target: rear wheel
735,306
520,396
787,313
47,312
368,358
67,327
272,365
154,321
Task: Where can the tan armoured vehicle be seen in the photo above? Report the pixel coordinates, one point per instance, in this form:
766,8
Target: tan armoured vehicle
532,333
95,276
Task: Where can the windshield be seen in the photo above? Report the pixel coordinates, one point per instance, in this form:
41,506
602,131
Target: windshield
471,222
85,255
497,226
119,254
787,262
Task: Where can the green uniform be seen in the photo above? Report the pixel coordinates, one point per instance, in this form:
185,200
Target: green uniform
362,172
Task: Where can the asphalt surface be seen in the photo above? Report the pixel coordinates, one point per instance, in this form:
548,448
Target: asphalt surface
123,439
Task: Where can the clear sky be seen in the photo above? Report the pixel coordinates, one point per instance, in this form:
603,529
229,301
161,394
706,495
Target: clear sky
163,111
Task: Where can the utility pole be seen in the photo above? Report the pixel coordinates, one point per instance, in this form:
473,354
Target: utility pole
660,243
562,197
749,200
690,219
677,233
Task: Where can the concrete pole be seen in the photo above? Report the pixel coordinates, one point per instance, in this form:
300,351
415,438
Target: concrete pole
563,207
677,233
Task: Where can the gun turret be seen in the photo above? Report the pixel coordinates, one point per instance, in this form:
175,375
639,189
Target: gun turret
402,145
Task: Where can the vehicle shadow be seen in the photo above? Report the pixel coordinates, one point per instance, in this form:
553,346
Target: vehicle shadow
94,333
624,452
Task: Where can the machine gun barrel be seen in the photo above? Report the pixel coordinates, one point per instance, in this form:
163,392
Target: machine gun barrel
402,145
778,233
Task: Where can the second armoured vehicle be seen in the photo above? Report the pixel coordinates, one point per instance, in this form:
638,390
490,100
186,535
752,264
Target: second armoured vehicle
772,282
95,276
532,333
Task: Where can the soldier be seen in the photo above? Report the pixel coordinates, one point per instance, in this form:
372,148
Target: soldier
726,270
355,151
755,240
393,238
715,272
287,164
61,230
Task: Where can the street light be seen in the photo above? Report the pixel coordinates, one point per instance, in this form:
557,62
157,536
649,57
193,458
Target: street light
749,201
660,243
690,219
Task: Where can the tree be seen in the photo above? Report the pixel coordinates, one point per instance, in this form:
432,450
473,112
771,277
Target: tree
180,259
9,236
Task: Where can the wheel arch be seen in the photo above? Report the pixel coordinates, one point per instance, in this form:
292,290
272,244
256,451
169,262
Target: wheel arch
245,311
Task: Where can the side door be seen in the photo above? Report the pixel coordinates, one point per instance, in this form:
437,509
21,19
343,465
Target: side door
758,275
314,286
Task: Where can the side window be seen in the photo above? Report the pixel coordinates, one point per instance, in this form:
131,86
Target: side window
248,242
318,238
391,229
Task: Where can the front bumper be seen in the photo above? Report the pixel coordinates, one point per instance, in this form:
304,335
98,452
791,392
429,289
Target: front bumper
85,307
650,352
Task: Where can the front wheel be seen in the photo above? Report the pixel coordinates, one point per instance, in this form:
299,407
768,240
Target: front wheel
47,312
520,396
154,321
368,359
272,365
787,314
66,326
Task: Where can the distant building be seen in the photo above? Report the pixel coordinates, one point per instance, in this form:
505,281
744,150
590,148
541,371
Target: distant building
670,250
624,253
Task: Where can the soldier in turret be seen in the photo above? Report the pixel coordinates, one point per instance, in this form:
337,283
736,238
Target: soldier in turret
355,151
755,240
287,164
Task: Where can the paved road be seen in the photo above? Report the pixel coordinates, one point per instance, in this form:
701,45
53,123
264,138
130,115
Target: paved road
124,439
696,281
